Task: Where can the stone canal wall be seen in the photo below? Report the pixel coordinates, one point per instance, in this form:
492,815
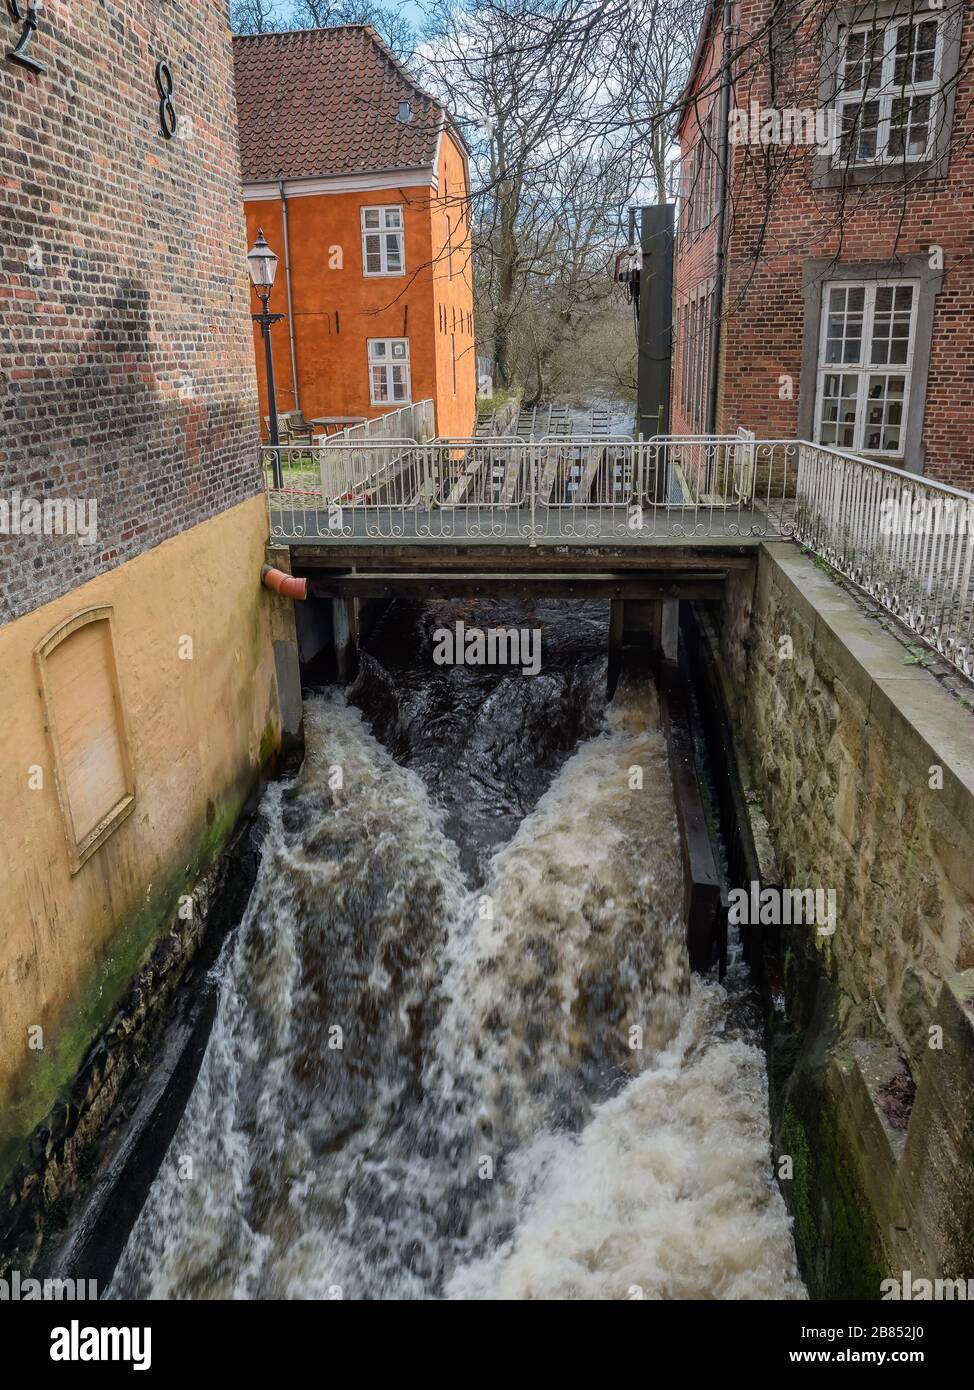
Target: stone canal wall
862,760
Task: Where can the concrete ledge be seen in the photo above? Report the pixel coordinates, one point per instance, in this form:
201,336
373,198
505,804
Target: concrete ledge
910,705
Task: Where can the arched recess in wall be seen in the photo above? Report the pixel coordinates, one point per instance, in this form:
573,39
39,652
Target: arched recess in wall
85,722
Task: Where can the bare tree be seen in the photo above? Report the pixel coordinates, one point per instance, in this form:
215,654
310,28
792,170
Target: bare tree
255,16
524,78
272,16
571,109
654,64
387,20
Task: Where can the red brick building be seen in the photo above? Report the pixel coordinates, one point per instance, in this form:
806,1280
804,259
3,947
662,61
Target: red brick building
842,309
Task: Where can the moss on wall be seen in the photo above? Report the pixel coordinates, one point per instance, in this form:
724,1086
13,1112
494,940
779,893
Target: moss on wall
131,1009
837,1233
841,737
46,1075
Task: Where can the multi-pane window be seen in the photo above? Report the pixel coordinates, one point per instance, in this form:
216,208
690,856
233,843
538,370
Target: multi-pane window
382,241
694,345
707,166
698,177
865,365
389,371
691,358
888,99
703,361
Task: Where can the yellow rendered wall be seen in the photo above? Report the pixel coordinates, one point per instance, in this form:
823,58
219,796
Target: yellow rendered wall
199,730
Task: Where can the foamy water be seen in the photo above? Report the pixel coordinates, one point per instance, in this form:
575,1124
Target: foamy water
665,1194
530,1099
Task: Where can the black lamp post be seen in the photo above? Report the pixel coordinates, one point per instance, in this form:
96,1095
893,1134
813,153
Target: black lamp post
263,268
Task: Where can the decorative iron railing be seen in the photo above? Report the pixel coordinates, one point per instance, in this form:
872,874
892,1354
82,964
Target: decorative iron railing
906,541
543,491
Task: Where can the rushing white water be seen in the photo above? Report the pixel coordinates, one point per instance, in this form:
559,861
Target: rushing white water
529,1099
665,1193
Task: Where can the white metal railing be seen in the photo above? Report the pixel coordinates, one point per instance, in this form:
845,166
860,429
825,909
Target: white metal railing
561,488
414,421
906,541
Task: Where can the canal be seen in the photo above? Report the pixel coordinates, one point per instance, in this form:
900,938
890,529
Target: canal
458,1051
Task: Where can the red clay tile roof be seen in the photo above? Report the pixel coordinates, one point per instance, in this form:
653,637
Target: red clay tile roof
313,102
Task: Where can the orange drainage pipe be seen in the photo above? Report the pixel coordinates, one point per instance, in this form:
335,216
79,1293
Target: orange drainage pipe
284,584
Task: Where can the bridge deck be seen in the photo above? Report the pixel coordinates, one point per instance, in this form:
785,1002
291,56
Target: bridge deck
617,504
576,525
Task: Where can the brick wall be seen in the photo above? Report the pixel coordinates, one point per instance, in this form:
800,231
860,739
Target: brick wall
780,220
696,242
126,365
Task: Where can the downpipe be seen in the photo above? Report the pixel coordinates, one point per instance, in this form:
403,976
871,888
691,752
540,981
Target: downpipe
287,585
290,306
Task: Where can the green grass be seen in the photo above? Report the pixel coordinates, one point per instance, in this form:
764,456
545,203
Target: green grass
498,400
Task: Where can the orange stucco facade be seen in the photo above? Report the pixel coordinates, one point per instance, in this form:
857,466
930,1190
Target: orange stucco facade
337,308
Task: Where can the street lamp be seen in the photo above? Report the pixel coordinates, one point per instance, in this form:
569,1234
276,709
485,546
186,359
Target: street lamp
263,267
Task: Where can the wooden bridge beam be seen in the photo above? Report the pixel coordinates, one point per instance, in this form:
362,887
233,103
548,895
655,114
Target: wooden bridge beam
632,587
388,556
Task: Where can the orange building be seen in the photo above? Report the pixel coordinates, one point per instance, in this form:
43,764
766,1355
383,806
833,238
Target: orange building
360,182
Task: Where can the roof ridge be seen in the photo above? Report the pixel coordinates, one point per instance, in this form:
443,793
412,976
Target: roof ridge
308,29
376,38
400,67
300,122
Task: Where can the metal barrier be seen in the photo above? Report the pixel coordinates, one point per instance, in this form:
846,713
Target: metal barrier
561,488
413,421
907,542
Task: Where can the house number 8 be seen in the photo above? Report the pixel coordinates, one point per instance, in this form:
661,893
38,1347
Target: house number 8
167,112
27,16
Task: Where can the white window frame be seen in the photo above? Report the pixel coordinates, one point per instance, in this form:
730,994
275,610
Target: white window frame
383,355
888,91
864,369
382,232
